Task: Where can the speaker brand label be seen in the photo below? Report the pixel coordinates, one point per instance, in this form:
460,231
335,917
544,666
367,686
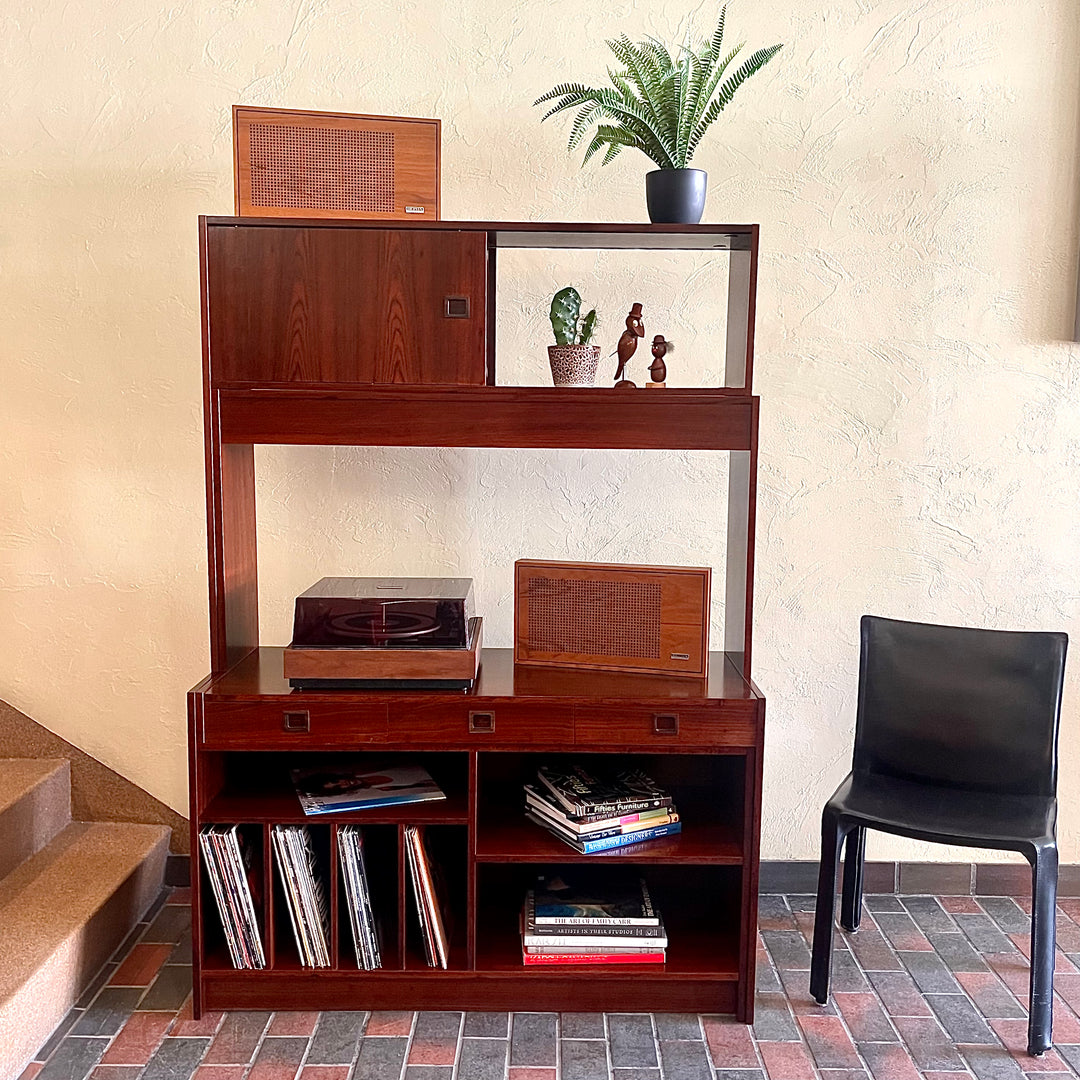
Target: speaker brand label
680,656
414,209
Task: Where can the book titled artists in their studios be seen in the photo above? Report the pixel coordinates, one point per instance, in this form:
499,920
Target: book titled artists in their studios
330,790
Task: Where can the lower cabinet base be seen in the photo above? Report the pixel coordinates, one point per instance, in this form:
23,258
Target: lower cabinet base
586,990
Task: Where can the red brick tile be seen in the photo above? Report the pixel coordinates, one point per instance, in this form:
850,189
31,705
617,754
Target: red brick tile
389,1023
1068,986
1062,964
325,1072
432,1051
207,1024
889,1061
179,896
960,905
32,1070
236,1039
1071,906
873,951
141,965
1013,1033
1068,935
1023,903
138,1039
991,997
293,1023
220,1072
278,1058
1066,1025
1014,972
829,1042
530,1073
785,1061
864,1018
730,1043
804,922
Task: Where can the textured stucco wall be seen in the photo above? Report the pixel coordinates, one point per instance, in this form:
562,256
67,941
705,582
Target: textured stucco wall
913,164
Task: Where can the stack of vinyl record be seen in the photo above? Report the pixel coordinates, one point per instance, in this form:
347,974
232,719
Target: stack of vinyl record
304,893
228,858
429,901
358,894
593,813
591,919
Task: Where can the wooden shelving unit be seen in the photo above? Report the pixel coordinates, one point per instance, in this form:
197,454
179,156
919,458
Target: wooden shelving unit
287,361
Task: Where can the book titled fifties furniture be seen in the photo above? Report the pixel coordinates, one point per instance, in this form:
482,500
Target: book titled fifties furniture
374,333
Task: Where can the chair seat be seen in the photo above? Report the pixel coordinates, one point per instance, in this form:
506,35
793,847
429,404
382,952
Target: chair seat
928,811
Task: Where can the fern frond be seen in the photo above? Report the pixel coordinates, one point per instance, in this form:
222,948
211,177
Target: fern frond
727,91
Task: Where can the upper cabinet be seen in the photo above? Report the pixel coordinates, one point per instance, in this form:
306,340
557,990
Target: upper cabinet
314,305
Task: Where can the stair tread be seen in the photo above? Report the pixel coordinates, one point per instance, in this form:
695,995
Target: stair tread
21,775
51,895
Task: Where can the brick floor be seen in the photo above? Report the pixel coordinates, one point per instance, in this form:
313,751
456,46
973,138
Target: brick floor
930,988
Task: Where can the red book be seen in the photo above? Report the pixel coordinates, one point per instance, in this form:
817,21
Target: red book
547,959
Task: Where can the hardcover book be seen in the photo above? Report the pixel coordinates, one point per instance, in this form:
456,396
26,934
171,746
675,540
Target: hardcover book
589,900
330,791
592,824
581,792
609,934
592,845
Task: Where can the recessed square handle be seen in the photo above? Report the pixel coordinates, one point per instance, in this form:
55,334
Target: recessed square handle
296,721
665,723
457,307
481,723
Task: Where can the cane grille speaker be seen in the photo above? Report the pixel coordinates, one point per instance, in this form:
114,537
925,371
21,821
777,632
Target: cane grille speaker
291,163
651,619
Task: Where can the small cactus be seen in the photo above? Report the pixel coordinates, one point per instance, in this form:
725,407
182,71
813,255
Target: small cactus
565,313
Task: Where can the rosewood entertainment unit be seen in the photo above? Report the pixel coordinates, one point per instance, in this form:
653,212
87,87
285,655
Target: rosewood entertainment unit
331,333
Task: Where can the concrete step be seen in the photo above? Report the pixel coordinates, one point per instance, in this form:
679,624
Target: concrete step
63,913
35,805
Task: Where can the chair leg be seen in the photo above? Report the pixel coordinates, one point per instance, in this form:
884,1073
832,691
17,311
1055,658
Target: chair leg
832,835
1044,874
851,897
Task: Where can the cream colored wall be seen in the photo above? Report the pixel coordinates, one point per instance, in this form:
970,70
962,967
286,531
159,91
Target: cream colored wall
913,165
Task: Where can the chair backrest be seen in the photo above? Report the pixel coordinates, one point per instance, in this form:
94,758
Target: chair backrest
976,709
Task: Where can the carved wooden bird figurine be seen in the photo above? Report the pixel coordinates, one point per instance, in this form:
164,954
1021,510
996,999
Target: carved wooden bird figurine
635,328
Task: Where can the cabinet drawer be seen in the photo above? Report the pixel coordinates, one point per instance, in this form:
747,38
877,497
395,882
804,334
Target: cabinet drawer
231,725
482,725
649,727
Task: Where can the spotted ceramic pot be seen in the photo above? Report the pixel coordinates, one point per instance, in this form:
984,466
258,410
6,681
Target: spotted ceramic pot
574,365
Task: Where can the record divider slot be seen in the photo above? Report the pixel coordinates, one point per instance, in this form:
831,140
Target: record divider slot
269,930
470,862
402,898
333,886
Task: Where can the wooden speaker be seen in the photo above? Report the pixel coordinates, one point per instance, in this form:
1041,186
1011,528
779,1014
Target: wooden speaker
652,619
291,163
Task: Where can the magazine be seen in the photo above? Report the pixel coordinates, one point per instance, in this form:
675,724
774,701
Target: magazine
589,900
331,790
580,792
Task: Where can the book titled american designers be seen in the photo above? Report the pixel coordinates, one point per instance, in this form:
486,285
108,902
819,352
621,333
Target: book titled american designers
331,791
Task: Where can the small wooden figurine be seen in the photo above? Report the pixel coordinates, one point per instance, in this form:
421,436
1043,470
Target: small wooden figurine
635,328
658,369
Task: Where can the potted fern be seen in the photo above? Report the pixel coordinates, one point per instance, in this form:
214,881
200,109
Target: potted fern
661,105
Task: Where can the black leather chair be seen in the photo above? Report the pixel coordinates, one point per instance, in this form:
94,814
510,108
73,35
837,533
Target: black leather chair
955,742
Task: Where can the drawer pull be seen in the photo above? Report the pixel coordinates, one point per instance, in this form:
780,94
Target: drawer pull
296,721
481,723
665,723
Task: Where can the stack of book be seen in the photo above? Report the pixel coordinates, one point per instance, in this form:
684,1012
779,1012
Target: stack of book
358,894
305,895
593,813
589,920
234,880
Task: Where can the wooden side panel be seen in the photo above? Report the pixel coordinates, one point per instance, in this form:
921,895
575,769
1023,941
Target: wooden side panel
739,596
345,306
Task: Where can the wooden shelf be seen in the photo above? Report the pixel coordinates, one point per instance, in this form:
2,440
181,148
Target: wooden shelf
232,807
258,675
488,416
521,841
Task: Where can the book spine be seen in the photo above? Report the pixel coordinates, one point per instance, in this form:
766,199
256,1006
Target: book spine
623,806
613,935
590,847
570,959
594,920
582,942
